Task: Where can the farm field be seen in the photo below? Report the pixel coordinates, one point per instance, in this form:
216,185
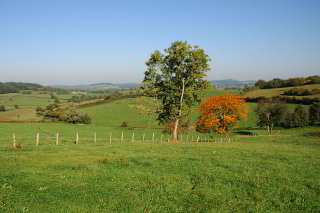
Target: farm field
280,91
143,173
277,174
27,104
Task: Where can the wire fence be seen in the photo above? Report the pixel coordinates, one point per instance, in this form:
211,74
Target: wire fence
49,139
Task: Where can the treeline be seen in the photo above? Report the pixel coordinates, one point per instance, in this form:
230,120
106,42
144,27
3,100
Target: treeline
16,87
286,99
276,114
291,82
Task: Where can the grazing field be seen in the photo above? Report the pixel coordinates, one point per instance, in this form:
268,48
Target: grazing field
142,173
269,174
280,91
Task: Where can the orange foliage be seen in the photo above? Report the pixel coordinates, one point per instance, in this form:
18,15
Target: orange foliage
220,114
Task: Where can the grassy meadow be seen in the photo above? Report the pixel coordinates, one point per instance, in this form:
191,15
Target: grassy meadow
279,92
277,173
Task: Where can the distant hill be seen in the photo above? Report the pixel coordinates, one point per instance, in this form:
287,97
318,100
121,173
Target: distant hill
14,87
97,87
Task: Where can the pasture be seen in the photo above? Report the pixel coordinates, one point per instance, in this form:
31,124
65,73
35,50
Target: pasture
254,174
278,173
279,92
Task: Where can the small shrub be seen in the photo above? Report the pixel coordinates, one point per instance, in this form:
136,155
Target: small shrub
2,108
124,124
16,106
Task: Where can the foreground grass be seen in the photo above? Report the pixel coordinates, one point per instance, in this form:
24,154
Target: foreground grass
258,174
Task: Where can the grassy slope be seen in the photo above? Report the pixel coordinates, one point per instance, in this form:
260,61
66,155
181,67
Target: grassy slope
280,91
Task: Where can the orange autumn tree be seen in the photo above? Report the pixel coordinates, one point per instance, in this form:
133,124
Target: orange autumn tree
219,114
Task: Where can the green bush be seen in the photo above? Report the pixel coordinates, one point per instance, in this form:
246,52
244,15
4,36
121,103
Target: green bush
124,124
68,116
314,114
2,108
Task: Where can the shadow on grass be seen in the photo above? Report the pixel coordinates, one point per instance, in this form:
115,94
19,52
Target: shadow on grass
243,132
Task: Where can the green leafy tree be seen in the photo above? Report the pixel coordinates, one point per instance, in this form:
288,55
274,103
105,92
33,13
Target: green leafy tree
176,79
260,83
314,114
299,118
2,108
271,114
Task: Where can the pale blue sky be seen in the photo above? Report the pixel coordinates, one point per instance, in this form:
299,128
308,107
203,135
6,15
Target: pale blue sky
92,41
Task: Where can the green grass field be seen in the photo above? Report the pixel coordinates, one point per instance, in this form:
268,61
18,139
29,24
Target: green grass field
255,174
278,173
280,91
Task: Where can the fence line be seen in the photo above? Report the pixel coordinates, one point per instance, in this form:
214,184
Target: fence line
39,141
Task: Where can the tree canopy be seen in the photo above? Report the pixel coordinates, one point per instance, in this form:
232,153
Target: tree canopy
176,79
219,114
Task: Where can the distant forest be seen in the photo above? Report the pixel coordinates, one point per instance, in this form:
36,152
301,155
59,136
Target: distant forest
15,87
291,82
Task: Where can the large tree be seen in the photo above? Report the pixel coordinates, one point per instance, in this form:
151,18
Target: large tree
176,79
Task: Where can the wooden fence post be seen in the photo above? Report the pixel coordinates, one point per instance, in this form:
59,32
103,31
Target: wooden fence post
122,137
198,139
181,137
14,140
144,134
57,139
191,138
95,137
110,137
132,139
161,137
152,136
77,138
38,138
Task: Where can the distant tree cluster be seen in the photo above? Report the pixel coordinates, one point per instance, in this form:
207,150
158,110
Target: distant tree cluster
82,98
276,114
68,116
2,108
291,82
63,114
301,92
26,92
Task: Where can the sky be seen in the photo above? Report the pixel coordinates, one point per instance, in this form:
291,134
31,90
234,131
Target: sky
94,41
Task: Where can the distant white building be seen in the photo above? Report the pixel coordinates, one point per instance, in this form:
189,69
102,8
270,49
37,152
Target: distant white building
78,93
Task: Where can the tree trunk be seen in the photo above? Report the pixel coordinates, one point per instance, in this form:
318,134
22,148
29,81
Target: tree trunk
176,122
175,130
